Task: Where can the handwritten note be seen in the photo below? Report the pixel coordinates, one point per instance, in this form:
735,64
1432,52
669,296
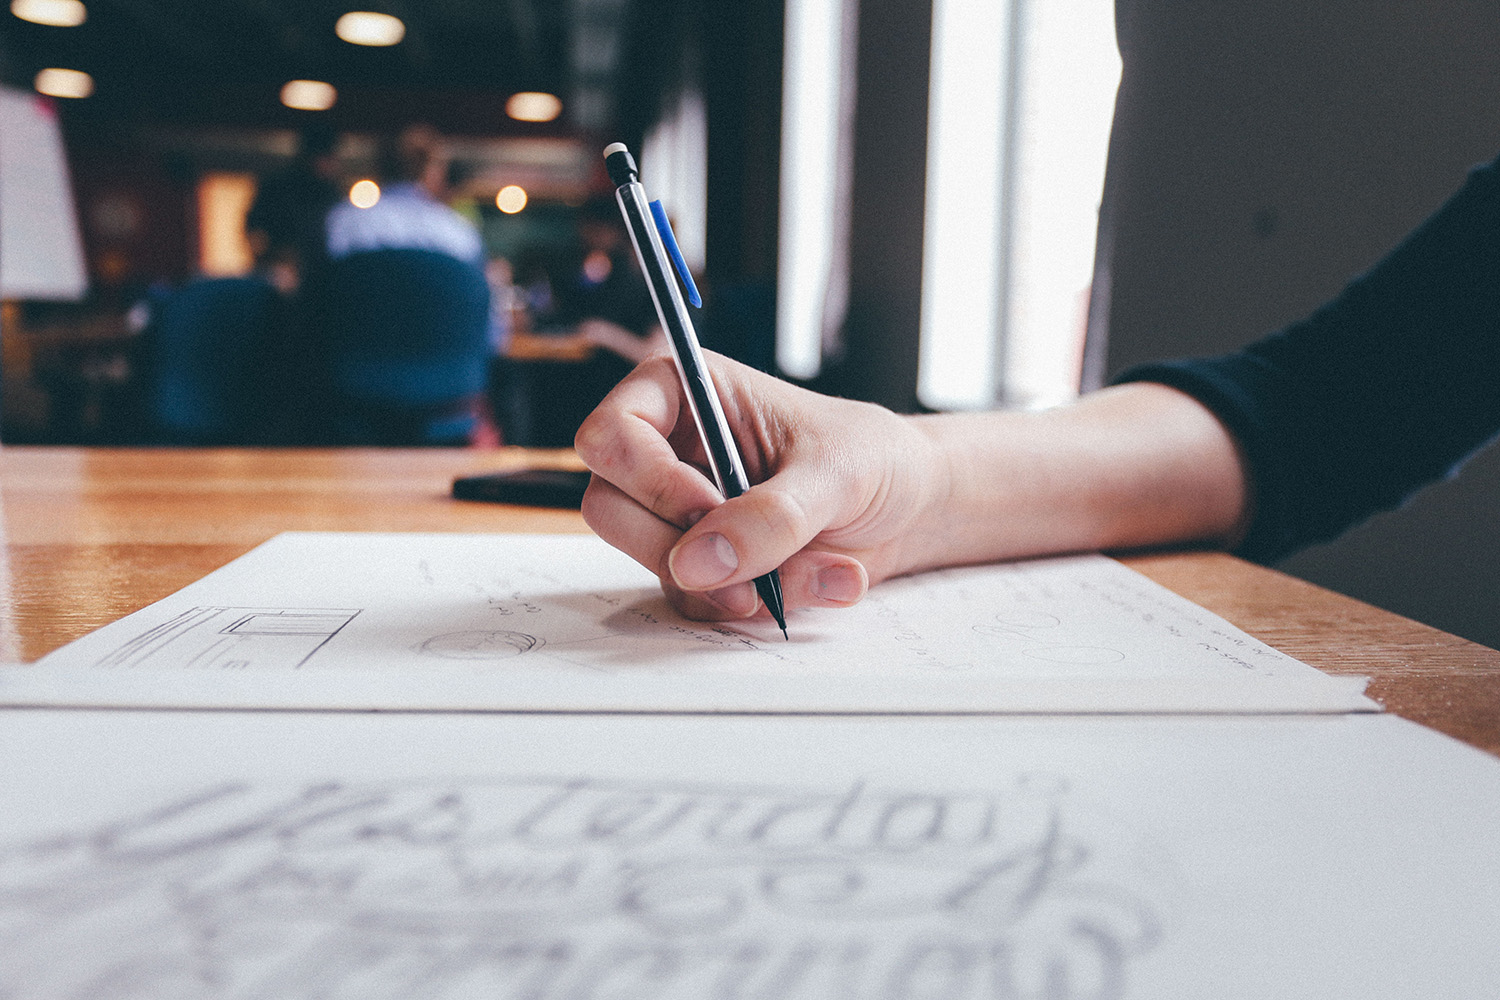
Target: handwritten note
552,857
567,623
518,888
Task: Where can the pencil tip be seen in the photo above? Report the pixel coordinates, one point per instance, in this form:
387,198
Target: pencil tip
784,635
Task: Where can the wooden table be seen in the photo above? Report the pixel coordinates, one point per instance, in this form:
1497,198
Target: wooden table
91,535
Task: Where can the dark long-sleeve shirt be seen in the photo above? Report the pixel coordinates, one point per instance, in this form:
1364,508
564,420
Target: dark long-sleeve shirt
1385,389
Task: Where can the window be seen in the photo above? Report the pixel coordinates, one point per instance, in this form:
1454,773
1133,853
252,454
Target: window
1020,106
816,159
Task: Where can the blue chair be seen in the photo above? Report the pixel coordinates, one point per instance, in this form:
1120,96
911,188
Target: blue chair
404,341
209,355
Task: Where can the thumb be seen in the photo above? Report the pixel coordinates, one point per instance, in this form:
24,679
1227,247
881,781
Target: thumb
755,532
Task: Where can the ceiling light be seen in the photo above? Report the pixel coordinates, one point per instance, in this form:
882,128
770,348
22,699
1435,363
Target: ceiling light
511,199
308,95
59,13
364,194
64,83
363,27
531,106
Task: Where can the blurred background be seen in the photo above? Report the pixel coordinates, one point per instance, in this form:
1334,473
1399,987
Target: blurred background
157,146
890,201
897,202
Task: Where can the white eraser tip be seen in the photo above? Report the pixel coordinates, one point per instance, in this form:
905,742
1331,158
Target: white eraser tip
615,147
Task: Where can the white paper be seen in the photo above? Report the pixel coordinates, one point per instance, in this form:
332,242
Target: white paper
565,623
233,855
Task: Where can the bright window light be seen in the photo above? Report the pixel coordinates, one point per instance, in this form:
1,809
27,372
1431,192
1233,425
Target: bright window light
533,106
810,291
1021,100
674,157
960,249
364,27
58,13
1069,81
64,83
511,199
364,194
309,95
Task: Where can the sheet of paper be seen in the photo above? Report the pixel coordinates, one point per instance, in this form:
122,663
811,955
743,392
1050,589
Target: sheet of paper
238,855
565,623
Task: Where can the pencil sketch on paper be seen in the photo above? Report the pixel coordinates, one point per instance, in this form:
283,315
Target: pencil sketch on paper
545,888
479,644
564,622
228,638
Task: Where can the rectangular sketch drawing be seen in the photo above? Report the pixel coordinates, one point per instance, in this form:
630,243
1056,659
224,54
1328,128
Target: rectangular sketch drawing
233,639
535,622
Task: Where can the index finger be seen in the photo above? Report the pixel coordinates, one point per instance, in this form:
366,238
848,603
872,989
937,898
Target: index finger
632,440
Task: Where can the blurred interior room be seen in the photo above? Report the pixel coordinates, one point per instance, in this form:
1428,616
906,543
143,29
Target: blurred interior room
162,160
155,149
898,202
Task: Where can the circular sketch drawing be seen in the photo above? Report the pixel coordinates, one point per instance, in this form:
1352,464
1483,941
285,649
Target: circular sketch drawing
480,645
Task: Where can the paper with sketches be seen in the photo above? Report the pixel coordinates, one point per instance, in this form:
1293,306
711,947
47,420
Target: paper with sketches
535,622
297,855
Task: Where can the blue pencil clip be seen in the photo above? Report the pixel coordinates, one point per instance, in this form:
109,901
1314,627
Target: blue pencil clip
670,242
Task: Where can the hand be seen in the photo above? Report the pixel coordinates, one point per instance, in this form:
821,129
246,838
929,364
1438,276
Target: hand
841,487
850,493
616,338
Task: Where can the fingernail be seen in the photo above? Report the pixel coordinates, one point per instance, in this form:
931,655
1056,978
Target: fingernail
739,600
842,584
703,562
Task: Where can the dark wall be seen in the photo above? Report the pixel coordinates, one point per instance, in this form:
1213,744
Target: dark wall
742,45
879,361
1266,151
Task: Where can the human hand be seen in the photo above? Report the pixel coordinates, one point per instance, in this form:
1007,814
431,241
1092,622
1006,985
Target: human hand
841,489
616,338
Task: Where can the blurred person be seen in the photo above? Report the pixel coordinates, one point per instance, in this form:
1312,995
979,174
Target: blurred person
285,224
399,331
410,214
594,321
600,294
505,303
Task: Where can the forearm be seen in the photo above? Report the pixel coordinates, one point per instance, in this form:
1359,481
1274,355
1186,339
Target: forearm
1134,466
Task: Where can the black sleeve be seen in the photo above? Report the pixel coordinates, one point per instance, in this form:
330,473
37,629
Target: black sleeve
1385,389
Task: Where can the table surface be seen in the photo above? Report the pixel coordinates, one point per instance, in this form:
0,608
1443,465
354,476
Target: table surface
91,535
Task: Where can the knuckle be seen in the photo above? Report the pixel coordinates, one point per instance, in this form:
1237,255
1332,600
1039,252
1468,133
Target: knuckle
593,506
667,497
783,516
604,444
658,500
595,436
